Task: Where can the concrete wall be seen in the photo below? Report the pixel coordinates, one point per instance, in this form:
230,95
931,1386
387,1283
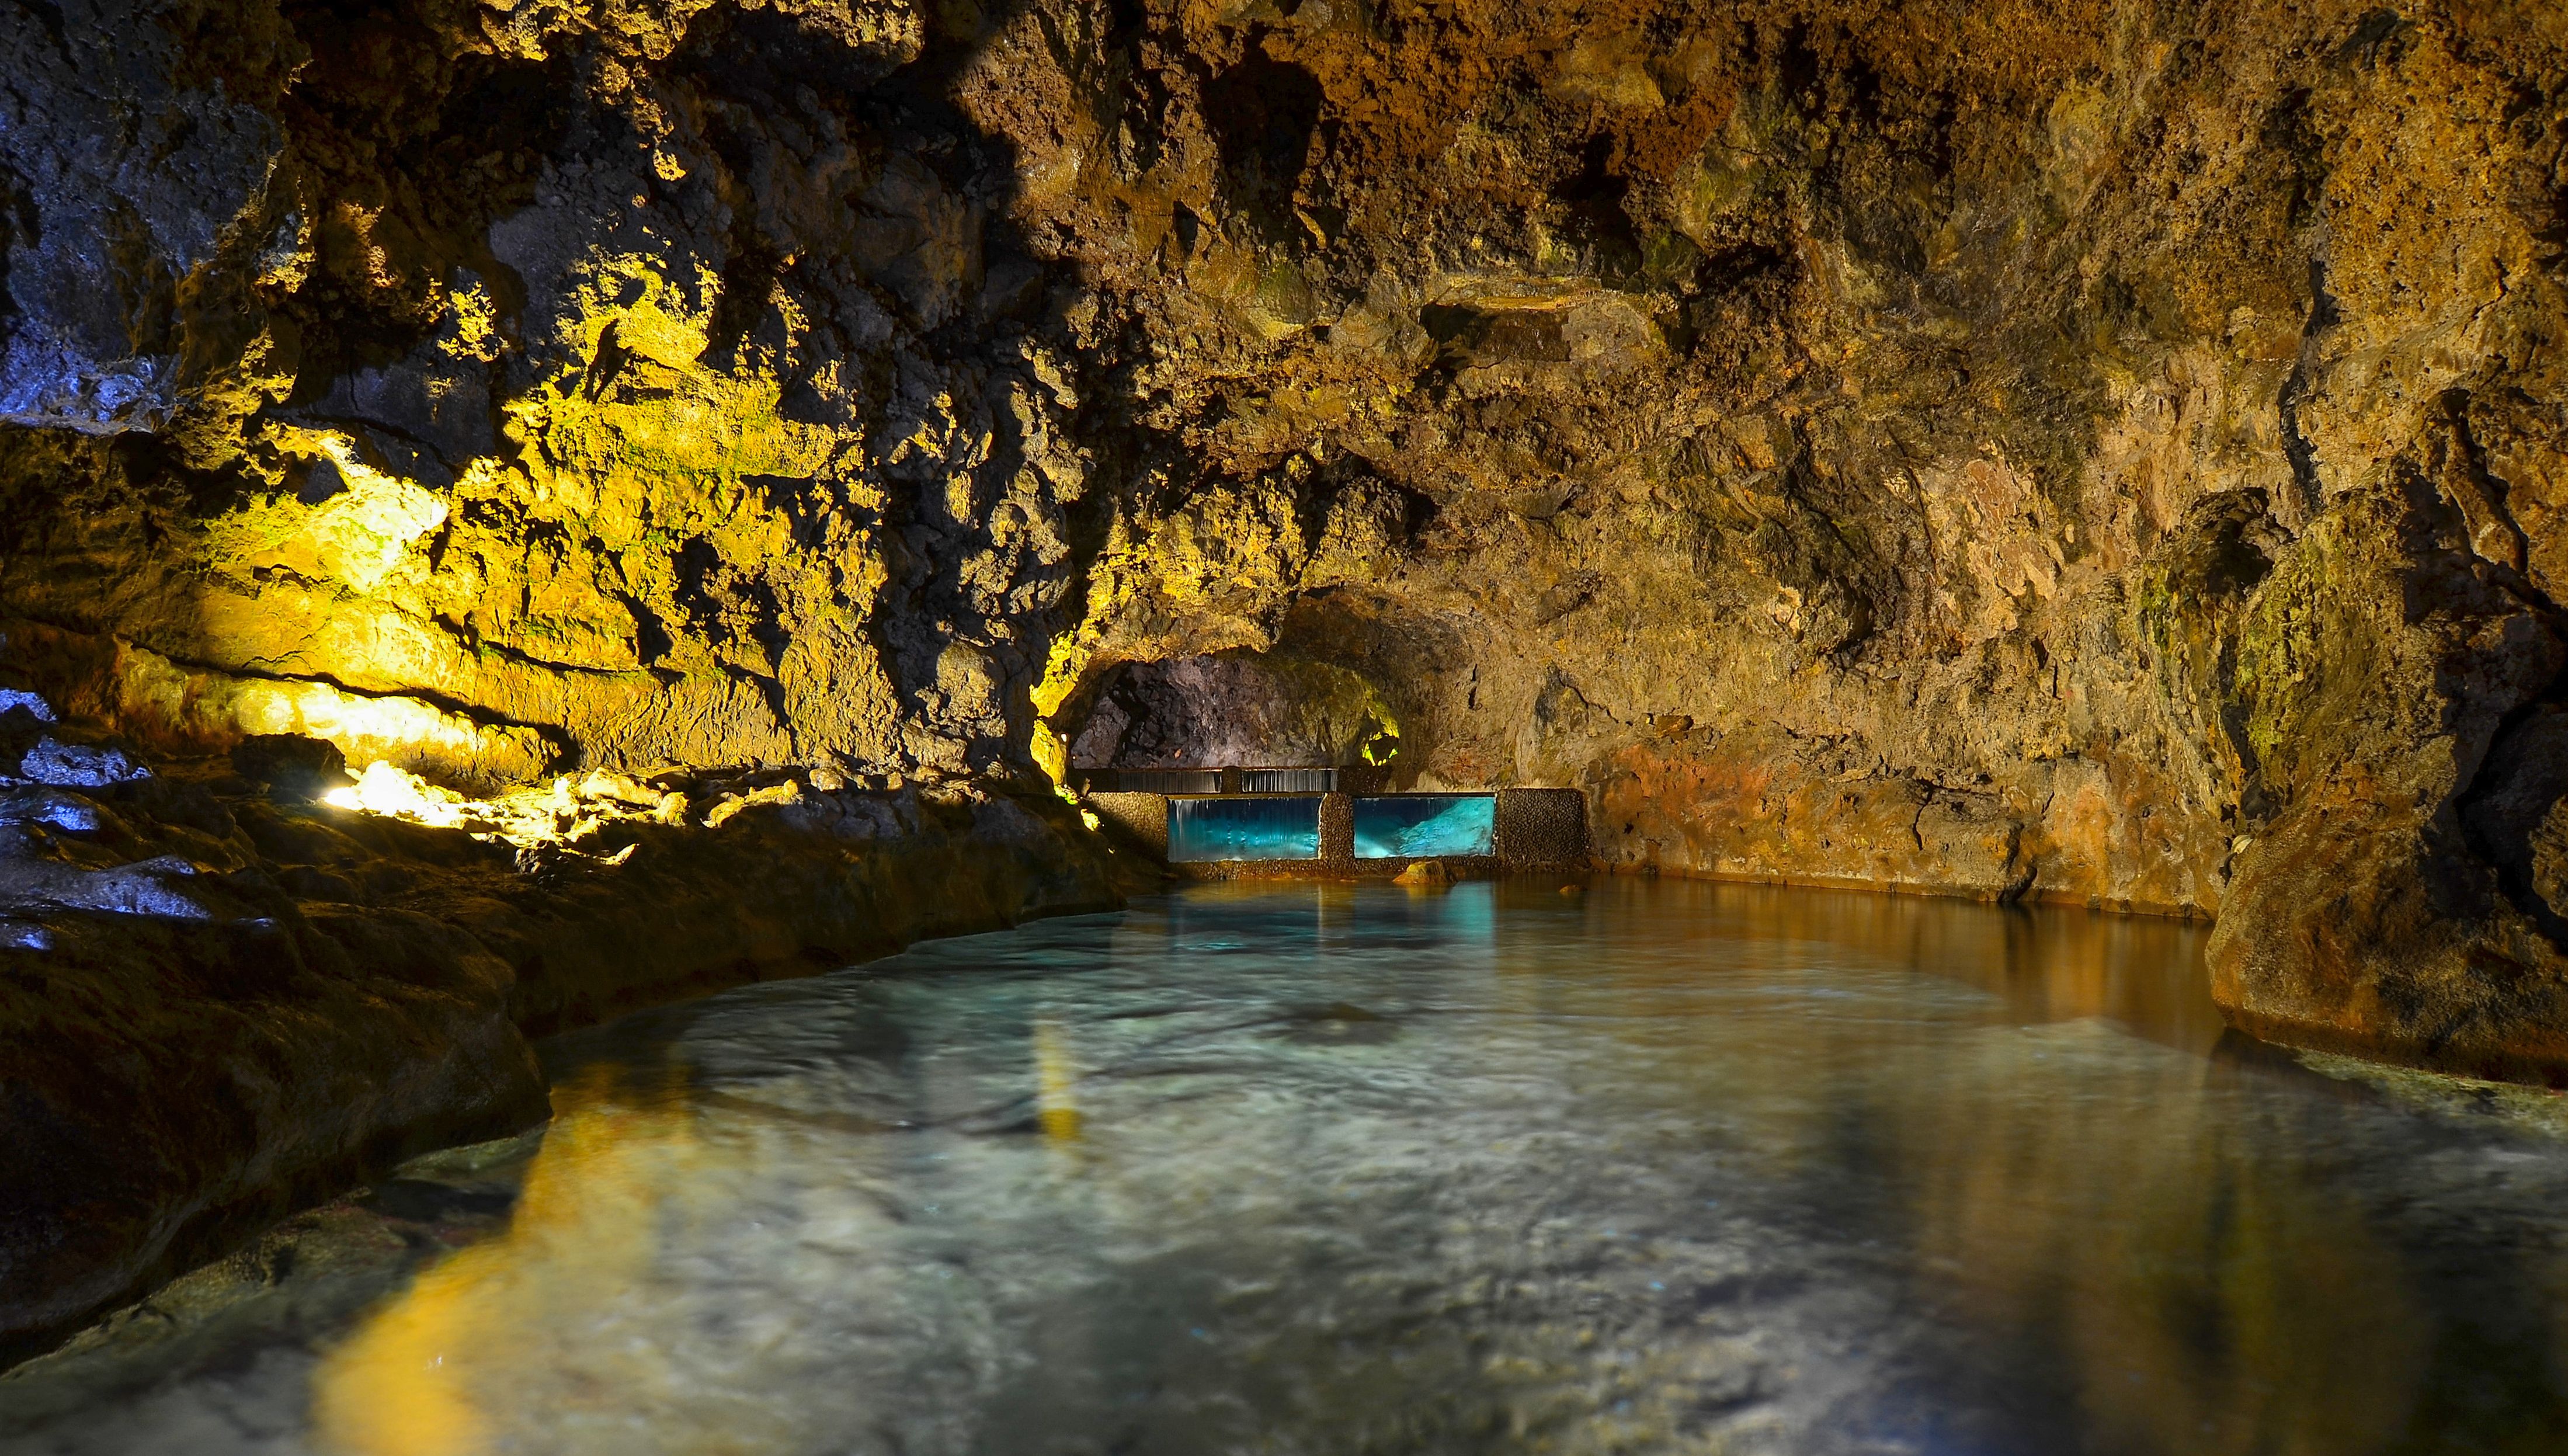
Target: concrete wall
1542,827
1138,819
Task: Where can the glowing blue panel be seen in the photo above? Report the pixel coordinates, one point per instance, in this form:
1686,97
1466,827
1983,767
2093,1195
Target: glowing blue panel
1244,828
1415,825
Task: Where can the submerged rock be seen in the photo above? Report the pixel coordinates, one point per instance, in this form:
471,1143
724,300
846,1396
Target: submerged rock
1426,874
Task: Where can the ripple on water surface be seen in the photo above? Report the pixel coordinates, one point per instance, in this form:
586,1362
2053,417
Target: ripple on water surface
1664,1167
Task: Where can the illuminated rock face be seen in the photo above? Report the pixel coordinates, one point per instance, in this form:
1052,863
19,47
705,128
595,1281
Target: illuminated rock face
2072,449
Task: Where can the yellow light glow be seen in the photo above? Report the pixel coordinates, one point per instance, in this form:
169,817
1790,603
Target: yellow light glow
1055,1075
566,814
362,534
1051,755
560,814
384,789
1383,747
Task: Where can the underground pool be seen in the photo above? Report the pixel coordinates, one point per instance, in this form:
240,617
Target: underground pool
1650,1166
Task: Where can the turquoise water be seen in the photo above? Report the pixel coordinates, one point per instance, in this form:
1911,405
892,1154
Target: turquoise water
1660,1167
1413,825
1243,828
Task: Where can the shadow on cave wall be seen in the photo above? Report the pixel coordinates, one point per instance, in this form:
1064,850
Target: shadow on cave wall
1265,113
1247,709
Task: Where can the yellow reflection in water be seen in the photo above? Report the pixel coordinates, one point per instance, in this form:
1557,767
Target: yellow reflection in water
602,1319
2159,1275
1055,1075
587,1220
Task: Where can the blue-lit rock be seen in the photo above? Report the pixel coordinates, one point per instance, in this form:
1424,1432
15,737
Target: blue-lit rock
138,180
1409,826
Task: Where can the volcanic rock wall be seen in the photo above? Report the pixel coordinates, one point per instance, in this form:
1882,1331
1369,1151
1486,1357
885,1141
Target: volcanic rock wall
2093,449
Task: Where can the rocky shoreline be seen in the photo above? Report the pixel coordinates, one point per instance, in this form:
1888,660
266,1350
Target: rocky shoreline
223,1000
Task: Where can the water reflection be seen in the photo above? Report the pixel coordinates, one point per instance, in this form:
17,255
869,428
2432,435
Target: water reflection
1658,1167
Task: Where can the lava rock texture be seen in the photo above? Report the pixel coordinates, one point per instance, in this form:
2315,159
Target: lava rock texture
2095,449
220,1001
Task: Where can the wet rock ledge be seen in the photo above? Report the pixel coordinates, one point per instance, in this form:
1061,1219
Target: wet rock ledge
221,999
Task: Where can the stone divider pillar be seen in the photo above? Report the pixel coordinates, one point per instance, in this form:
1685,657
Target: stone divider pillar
1541,827
1338,832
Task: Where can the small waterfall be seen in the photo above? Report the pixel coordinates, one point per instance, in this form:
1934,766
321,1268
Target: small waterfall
1244,828
1416,826
1168,781
1288,780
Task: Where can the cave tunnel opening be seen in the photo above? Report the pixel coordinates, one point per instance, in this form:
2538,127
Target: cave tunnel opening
1268,712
